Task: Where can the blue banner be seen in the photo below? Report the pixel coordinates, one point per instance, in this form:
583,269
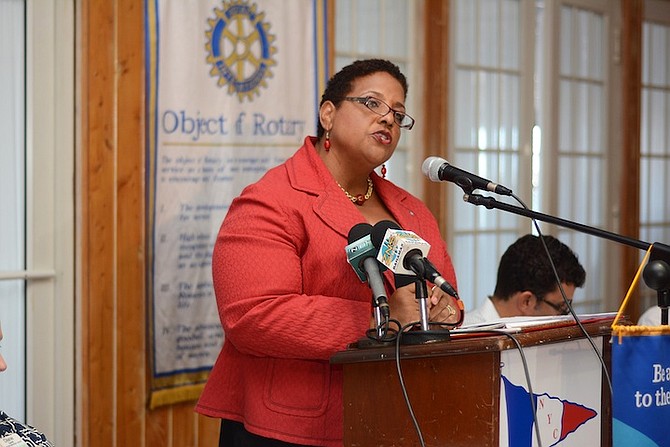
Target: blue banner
641,388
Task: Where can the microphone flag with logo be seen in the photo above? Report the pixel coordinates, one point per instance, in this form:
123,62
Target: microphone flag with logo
405,253
398,248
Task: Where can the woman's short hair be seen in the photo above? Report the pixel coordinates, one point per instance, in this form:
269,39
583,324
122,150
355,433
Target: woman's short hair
340,85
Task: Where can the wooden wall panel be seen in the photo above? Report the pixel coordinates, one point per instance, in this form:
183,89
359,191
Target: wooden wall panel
208,430
157,427
98,222
436,99
183,425
631,64
128,69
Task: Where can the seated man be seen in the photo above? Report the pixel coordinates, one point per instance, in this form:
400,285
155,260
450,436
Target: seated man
526,284
13,432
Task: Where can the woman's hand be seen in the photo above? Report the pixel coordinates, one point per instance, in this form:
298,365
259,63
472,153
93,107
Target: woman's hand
444,308
404,306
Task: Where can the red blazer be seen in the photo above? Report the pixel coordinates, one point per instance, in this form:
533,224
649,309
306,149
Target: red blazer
288,299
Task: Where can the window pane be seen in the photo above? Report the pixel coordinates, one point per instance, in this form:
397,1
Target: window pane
590,251
581,44
12,197
465,133
566,35
657,121
658,36
467,273
397,168
487,125
465,214
464,25
596,43
597,125
510,108
655,134
580,113
565,134
510,35
655,208
489,37
368,27
395,36
343,32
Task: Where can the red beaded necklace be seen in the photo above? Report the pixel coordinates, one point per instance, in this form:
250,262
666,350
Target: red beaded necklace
360,198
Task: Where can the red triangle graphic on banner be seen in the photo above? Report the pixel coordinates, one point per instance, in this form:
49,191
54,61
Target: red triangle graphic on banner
574,415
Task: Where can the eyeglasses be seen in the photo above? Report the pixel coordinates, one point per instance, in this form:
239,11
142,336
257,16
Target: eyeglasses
381,108
561,308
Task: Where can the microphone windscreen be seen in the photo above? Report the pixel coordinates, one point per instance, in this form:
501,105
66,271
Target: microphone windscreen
359,231
431,167
379,231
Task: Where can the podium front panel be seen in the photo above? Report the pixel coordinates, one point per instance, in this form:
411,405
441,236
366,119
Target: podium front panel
566,383
455,386
450,401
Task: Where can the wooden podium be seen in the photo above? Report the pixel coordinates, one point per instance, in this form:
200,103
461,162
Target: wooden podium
454,386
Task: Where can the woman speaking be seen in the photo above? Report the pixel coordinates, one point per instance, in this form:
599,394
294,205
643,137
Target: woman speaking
287,297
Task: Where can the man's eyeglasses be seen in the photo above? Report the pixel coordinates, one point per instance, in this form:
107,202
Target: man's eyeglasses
381,108
561,308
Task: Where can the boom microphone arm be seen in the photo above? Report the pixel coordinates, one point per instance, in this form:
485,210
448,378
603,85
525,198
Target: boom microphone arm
656,272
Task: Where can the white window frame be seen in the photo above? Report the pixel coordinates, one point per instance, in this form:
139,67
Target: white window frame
50,218
479,260
475,259
656,12
609,294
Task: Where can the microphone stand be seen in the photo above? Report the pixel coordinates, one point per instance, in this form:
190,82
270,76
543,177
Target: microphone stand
422,297
656,273
381,331
657,276
425,334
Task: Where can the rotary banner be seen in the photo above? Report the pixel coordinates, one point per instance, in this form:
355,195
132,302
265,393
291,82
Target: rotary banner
232,89
640,381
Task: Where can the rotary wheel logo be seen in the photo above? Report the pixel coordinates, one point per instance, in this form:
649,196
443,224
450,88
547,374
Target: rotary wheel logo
239,48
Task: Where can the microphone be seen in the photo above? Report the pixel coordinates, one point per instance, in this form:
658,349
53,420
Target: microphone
434,276
438,169
361,255
404,253
378,233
